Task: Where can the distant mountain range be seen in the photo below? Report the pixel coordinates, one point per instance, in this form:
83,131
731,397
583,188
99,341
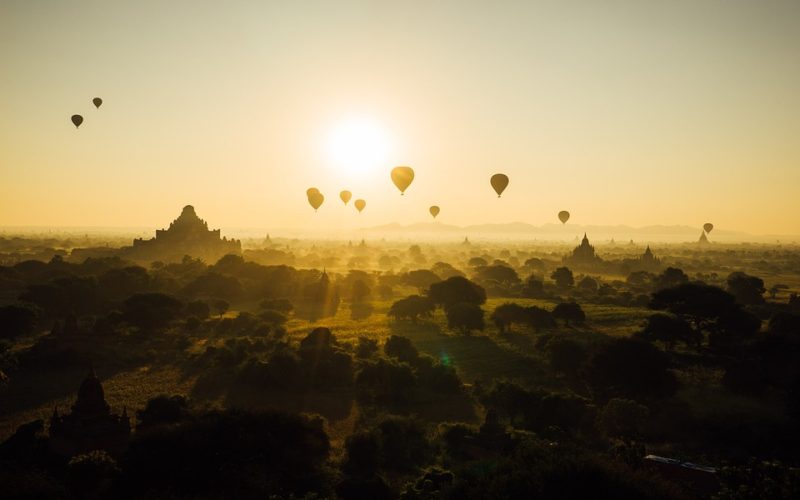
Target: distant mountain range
518,230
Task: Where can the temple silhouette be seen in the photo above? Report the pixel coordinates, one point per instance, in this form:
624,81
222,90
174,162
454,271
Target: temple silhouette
583,255
186,235
90,425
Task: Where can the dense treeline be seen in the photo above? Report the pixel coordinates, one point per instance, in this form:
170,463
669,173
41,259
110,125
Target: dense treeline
268,403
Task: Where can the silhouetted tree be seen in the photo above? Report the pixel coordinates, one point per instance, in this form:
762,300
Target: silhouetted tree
588,283
456,290
281,305
539,318
623,418
631,369
412,308
563,277
504,275
533,287
477,262
198,309
669,330
151,311
162,409
698,304
747,289
565,356
465,317
401,348
422,279
221,306
16,320
231,454
569,311
505,315
671,277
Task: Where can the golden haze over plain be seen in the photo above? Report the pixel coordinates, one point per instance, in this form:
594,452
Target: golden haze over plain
630,113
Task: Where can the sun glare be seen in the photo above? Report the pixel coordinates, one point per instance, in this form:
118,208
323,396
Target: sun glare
358,145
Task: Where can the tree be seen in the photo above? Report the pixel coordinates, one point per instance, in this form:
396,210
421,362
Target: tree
698,304
733,328
671,277
445,270
198,309
422,279
151,311
588,283
565,356
221,306
401,348
569,311
412,308
640,278
17,320
535,264
539,318
631,369
563,277
281,305
359,293
748,290
456,290
477,262
504,275
533,287
623,418
162,409
669,330
505,315
213,284
465,317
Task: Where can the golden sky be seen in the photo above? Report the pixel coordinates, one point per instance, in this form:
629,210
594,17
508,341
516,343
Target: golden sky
622,112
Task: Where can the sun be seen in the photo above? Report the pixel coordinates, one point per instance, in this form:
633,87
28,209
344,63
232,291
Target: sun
358,145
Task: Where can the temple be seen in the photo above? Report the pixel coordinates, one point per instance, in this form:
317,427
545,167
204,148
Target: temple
703,238
90,425
583,255
646,262
186,235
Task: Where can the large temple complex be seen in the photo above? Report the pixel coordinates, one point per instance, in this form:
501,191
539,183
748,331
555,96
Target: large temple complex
583,256
186,235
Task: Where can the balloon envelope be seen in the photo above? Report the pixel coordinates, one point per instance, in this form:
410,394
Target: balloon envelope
315,199
402,177
708,227
345,196
309,191
360,204
499,183
77,120
434,210
563,216
97,102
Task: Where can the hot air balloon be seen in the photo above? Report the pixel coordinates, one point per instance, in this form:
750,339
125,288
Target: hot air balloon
315,199
708,227
499,183
563,216
402,177
309,191
360,204
434,210
97,102
345,196
77,120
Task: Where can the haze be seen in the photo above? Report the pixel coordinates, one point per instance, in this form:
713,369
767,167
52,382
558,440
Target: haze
630,113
